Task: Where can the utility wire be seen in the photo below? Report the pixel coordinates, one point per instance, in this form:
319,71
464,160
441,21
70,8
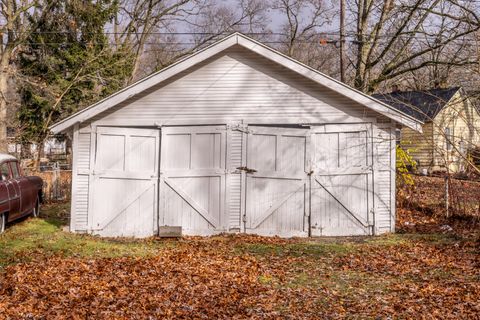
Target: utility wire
319,33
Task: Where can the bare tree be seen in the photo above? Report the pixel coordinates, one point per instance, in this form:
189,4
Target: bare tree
390,36
212,21
162,31
438,74
304,22
13,31
137,21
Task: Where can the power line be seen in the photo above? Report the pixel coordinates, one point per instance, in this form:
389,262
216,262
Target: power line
320,40
319,33
329,37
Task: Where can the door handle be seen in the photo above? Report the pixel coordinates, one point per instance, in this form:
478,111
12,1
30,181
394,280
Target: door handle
246,169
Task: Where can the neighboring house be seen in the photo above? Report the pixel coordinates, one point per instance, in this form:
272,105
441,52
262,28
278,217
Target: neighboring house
235,138
56,151
451,127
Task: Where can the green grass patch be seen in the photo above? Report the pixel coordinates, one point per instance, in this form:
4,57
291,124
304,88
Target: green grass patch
56,214
310,249
32,238
345,282
399,239
328,247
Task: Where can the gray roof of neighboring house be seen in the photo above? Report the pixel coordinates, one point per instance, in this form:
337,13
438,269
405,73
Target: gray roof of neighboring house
422,105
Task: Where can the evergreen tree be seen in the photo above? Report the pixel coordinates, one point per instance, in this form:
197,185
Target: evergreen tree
67,63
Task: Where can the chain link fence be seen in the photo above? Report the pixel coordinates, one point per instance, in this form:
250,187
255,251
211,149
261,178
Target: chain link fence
441,196
57,183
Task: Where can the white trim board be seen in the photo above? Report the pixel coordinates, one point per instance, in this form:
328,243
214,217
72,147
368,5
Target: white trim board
222,45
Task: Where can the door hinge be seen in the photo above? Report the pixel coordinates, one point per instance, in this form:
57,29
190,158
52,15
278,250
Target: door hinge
244,218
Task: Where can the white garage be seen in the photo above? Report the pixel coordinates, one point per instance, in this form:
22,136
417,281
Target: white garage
235,138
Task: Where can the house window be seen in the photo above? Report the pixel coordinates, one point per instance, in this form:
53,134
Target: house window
448,139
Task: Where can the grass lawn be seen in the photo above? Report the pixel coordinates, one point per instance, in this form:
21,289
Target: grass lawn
47,273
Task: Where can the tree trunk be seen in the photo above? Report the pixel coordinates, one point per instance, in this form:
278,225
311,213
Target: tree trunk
362,48
342,41
38,157
4,74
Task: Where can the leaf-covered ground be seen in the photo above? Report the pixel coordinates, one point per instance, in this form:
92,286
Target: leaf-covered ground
46,273
421,207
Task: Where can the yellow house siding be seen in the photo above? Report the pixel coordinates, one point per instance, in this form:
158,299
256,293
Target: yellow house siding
462,120
419,145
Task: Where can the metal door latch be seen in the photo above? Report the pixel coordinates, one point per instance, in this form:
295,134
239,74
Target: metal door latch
246,169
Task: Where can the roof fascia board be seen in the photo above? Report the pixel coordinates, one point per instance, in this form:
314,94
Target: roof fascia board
144,84
329,82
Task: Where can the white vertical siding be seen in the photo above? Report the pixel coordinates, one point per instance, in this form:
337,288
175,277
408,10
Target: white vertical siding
393,177
234,183
383,219
384,140
81,185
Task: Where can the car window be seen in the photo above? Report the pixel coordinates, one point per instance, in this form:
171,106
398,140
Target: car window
4,172
15,169
19,168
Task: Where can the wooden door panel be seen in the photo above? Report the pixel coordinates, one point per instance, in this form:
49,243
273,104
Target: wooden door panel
342,184
203,194
273,196
276,181
125,182
193,179
336,150
110,152
339,205
143,154
126,207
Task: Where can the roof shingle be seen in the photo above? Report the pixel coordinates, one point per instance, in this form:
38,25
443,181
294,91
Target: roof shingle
422,105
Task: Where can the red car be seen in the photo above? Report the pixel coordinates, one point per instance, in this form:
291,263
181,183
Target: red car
19,195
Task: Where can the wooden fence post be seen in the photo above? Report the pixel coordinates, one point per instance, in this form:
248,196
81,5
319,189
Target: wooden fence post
55,181
447,204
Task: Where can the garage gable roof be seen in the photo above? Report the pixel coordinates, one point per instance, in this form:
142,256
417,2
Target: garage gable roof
219,46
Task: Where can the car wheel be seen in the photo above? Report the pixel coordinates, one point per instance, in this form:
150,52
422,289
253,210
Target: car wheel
3,221
36,209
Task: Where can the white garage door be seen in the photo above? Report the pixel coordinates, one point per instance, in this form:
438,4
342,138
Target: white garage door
276,181
124,188
341,187
192,181
296,181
